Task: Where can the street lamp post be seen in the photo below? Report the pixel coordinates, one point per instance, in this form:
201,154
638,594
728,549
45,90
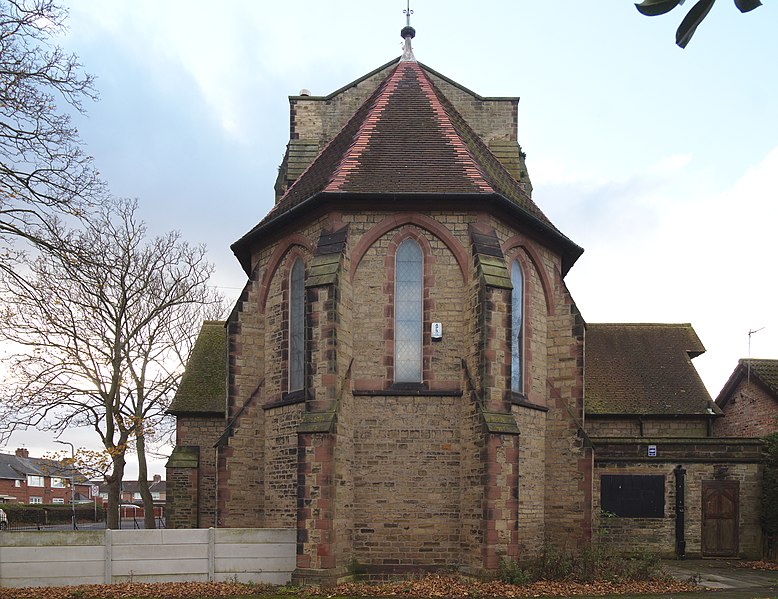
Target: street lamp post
72,479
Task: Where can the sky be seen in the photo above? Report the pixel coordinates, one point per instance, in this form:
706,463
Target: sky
661,163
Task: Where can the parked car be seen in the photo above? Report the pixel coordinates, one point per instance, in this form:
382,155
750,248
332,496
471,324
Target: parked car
3,520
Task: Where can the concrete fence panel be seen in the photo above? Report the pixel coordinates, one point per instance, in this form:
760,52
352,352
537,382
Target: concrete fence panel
97,557
51,558
235,556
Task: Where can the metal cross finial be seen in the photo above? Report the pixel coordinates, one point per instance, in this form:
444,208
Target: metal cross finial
408,33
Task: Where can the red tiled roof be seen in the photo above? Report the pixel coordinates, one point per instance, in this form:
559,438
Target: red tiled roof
644,369
407,138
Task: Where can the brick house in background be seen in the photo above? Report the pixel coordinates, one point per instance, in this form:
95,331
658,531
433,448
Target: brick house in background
402,379
749,399
38,481
131,490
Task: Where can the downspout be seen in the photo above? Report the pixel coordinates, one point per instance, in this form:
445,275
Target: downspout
216,491
680,543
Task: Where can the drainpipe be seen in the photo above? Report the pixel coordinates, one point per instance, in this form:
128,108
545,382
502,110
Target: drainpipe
216,490
680,543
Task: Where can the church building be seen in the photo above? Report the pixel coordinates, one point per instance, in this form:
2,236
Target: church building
403,379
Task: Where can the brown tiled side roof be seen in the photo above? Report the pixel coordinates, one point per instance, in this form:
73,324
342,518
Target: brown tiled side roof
203,387
407,139
764,371
643,369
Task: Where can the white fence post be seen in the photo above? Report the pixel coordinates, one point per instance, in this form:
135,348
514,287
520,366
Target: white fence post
211,554
108,556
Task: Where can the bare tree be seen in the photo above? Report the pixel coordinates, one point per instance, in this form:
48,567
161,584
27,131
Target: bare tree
104,320
44,172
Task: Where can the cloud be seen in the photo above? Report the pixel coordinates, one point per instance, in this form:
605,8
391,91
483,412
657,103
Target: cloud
705,257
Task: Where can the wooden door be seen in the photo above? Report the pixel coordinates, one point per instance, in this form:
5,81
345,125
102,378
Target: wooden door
720,513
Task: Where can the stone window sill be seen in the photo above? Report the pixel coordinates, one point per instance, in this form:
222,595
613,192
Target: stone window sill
406,392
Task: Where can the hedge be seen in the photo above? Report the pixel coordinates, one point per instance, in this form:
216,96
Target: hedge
22,513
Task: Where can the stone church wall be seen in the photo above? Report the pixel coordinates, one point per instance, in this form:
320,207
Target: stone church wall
202,432
280,465
492,118
532,480
407,458
405,473
568,461
257,486
320,118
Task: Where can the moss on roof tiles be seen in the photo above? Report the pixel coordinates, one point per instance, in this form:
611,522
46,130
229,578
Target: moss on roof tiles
644,369
184,457
203,387
765,370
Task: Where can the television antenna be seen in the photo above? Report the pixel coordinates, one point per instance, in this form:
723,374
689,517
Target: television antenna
748,364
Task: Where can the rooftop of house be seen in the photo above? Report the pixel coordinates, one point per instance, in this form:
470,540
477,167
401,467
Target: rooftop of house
203,387
405,141
156,485
644,369
20,465
763,372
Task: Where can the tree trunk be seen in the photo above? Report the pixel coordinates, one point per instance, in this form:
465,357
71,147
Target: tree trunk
143,484
114,481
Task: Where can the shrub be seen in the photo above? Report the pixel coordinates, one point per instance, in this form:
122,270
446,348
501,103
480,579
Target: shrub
769,515
554,564
511,572
594,562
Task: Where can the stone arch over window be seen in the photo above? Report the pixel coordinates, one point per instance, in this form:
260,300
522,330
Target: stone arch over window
421,221
519,242
408,312
292,243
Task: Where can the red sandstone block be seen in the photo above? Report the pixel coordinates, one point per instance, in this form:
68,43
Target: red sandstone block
492,561
493,469
493,492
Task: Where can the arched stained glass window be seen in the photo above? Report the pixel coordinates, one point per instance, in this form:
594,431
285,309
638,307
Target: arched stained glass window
408,312
297,326
517,328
